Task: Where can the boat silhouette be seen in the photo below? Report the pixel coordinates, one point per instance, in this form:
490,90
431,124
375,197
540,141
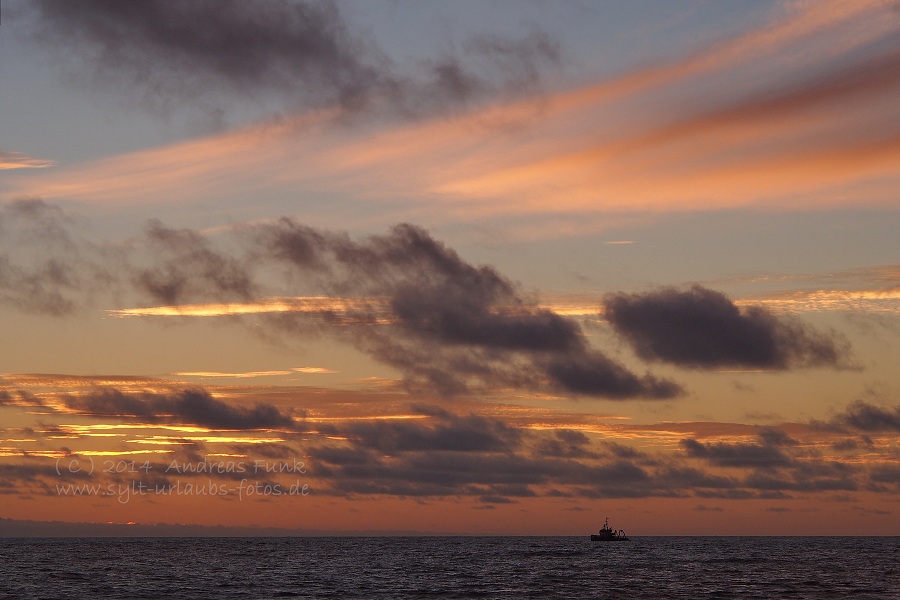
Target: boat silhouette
608,534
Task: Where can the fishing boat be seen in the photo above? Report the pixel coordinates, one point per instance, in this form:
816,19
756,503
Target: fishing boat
608,534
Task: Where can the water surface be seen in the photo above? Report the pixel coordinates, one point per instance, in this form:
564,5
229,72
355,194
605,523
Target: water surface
451,567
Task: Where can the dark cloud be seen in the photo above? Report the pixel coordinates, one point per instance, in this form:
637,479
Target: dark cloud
273,450
886,475
593,374
413,303
49,267
869,418
442,454
702,329
450,455
340,457
303,53
45,268
766,454
737,455
442,473
743,494
186,266
846,445
519,59
28,472
565,443
450,325
190,406
681,478
178,51
445,312
803,481
19,398
776,437
359,471
447,432
47,283
775,467
489,65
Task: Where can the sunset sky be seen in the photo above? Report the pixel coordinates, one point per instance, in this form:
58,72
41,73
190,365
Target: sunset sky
466,267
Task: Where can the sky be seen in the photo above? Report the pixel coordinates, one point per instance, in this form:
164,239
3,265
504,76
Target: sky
505,267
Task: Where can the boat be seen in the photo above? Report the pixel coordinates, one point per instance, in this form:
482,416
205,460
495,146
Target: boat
608,534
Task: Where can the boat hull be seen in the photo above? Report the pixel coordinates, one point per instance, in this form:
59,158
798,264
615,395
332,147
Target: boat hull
602,538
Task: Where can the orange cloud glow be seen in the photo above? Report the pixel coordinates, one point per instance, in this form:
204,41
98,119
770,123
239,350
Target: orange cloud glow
641,142
885,300
17,160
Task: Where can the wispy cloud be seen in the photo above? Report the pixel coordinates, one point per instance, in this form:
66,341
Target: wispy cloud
482,457
739,124
404,298
190,406
409,301
339,308
312,370
17,160
292,54
500,453
246,375
860,301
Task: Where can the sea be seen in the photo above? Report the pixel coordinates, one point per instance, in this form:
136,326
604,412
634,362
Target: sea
450,567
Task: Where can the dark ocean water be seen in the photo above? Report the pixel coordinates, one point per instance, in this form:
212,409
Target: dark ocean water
451,567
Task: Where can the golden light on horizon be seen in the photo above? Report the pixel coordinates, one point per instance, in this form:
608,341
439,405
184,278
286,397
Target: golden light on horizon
208,439
873,300
302,304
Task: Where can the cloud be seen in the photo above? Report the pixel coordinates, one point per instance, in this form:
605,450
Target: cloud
592,373
447,454
45,267
737,455
37,477
302,53
777,464
190,406
451,324
484,457
566,443
301,49
884,300
886,475
702,329
406,299
815,477
446,432
871,77
726,126
185,265
19,398
17,160
869,417
244,375
711,131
